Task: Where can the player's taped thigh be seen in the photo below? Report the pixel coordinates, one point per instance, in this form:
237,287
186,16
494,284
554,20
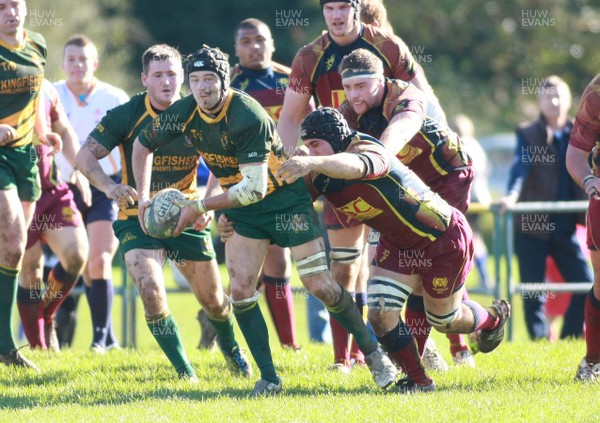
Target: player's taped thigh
442,320
344,255
312,265
386,294
240,306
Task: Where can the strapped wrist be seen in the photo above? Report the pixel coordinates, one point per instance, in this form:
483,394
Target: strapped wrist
198,206
587,179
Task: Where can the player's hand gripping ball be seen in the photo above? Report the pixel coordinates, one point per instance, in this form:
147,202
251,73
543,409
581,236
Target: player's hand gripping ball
162,215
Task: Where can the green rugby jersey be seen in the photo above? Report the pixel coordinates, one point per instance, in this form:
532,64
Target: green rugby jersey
241,133
174,165
21,76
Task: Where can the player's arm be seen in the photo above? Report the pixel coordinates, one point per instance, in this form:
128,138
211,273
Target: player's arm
579,169
42,129
141,163
360,165
87,162
295,106
401,129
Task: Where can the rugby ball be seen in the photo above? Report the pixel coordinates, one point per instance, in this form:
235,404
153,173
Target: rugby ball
162,215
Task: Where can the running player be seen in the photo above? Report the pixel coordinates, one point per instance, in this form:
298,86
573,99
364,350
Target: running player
361,179
414,129
238,142
315,74
174,166
266,81
585,138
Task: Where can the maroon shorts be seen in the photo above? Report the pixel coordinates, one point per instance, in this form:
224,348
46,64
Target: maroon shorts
334,219
593,224
455,188
54,210
443,265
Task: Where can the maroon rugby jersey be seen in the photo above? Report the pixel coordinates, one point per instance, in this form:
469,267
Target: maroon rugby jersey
586,129
434,152
390,199
315,66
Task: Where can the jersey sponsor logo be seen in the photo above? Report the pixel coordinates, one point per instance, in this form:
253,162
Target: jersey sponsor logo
100,127
21,84
440,285
337,98
253,154
360,209
213,159
173,163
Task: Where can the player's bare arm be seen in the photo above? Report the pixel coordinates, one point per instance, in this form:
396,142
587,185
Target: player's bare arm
401,129
295,106
87,162
577,165
141,162
339,166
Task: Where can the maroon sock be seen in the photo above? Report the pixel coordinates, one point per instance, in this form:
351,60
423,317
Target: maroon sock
281,305
401,347
484,320
417,321
592,328
29,303
341,340
58,287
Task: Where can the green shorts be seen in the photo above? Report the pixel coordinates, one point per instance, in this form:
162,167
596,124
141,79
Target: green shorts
190,245
286,217
19,169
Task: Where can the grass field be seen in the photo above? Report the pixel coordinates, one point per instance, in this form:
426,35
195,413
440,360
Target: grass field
521,381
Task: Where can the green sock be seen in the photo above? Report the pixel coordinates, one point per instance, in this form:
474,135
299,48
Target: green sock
256,334
166,332
224,329
346,313
8,298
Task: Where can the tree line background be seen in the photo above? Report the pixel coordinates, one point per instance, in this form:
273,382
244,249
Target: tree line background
483,58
